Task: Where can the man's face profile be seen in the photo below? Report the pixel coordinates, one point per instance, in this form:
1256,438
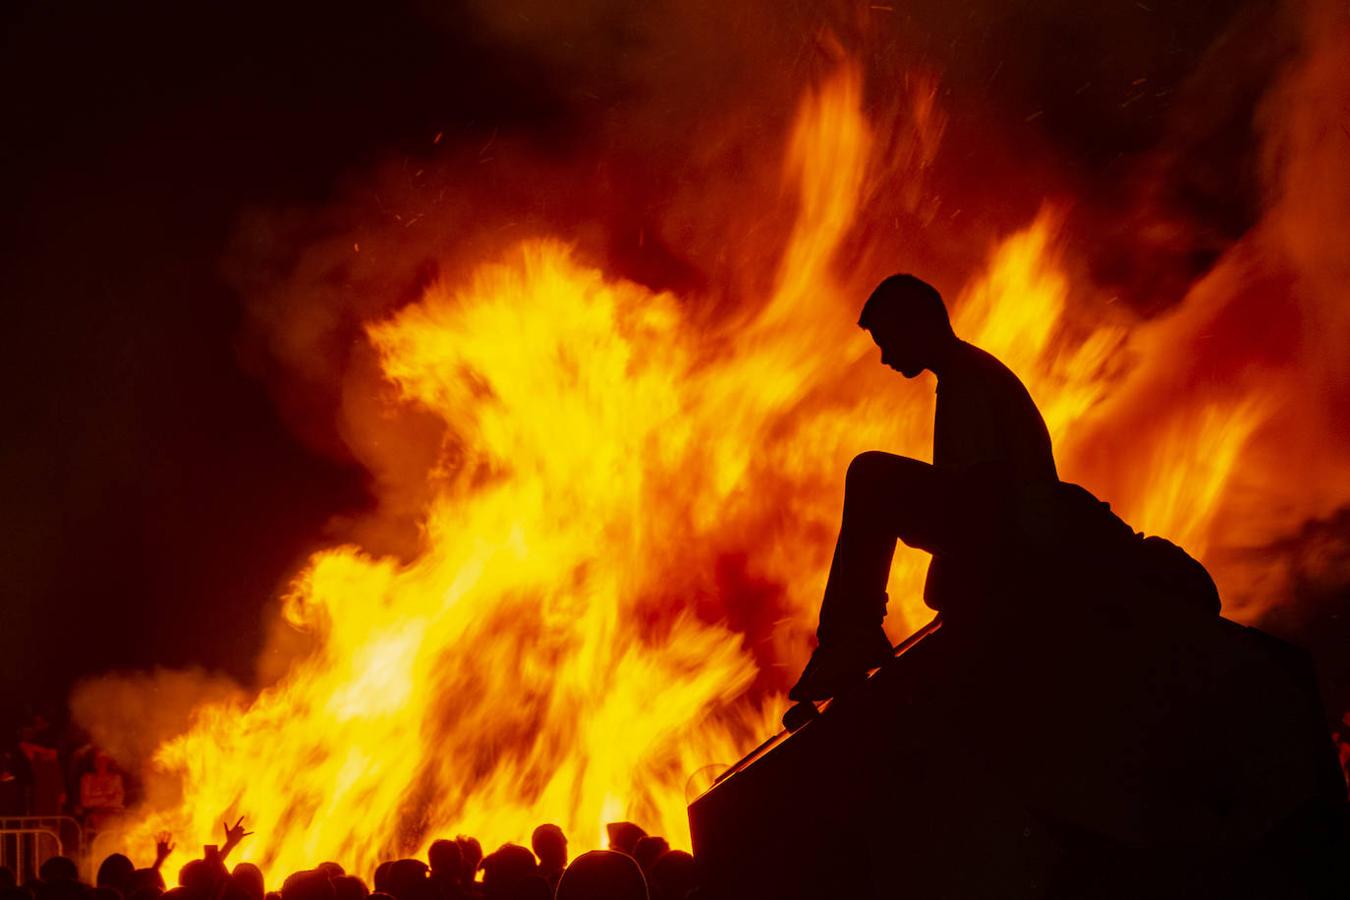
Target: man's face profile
899,348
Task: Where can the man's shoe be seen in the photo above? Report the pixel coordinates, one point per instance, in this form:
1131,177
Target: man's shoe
841,662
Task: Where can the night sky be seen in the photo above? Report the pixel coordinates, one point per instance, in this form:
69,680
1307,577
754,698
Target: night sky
153,501
153,498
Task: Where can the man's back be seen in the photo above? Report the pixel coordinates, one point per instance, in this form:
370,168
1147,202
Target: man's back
986,416
988,428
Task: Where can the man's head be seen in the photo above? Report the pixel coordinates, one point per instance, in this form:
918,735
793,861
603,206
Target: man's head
550,845
445,859
908,321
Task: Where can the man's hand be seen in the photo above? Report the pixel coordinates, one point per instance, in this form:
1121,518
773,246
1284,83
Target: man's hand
163,847
233,835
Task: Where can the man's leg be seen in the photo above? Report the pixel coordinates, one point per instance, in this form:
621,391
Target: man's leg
886,498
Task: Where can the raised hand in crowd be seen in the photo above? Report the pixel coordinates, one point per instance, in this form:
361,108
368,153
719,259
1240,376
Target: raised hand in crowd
233,835
163,847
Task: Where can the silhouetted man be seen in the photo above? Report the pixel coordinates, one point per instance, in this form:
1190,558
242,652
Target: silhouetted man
989,443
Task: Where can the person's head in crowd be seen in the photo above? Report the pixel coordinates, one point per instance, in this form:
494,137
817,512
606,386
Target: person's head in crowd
381,877
116,872
36,730
672,876
647,850
195,875
470,855
103,763
349,887
310,884
380,895
602,875
248,878
623,836
550,845
445,860
331,869
408,880
59,879
506,869
14,892
59,868
104,893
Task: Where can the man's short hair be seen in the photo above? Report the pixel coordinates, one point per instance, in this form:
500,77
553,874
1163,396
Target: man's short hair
545,834
907,299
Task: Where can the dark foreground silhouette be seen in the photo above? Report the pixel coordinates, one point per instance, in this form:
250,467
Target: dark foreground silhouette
637,866
1051,735
1026,758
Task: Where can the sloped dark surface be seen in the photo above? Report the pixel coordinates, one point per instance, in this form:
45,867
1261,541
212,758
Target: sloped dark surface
1095,755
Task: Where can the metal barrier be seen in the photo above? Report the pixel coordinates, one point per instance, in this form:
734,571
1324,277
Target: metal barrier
24,849
28,841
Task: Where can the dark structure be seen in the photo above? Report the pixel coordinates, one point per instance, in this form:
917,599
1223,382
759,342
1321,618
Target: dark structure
1095,754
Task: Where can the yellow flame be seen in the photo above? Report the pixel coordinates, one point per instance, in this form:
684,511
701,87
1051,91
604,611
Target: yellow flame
1181,481
1017,311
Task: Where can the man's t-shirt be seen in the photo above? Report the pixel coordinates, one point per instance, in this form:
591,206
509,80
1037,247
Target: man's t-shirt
985,416
987,425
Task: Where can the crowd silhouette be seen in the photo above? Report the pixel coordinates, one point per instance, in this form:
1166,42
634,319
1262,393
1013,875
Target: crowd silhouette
637,866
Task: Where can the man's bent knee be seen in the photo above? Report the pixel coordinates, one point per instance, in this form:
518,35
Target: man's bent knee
873,467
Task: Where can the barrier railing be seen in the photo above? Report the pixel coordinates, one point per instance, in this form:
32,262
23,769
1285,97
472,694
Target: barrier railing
22,850
27,841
